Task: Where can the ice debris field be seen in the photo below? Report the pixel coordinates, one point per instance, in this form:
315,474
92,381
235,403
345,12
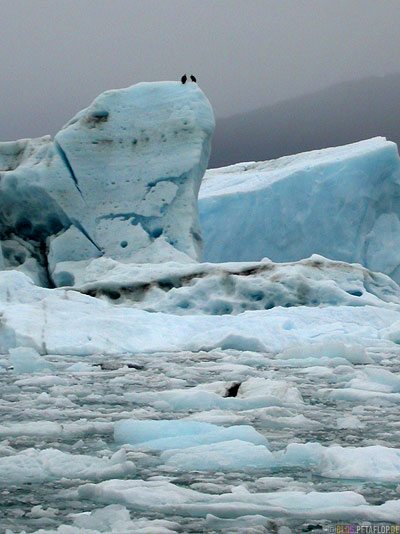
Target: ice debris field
194,351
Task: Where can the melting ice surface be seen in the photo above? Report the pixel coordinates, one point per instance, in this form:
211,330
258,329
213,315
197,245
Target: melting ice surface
159,395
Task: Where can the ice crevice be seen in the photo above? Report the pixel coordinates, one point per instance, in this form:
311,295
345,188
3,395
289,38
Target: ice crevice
68,165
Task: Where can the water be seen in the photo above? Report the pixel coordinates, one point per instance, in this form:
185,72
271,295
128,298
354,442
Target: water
100,396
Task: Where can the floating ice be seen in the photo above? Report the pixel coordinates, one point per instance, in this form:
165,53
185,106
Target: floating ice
232,288
351,353
52,429
366,463
32,465
121,179
269,349
369,383
363,463
342,203
164,497
252,393
28,360
351,421
375,379
113,519
233,455
178,434
37,317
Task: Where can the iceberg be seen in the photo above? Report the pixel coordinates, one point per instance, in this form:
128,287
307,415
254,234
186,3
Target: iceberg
119,180
342,203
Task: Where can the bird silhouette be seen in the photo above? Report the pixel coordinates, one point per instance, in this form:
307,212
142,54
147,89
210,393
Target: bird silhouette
193,78
184,78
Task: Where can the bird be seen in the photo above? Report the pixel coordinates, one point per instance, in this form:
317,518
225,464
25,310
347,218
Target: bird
184,78
193,78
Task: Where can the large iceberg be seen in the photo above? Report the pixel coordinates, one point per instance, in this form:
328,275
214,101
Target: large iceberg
121,179
342,203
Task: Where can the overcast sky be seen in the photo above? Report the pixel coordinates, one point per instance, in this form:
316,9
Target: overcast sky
56,56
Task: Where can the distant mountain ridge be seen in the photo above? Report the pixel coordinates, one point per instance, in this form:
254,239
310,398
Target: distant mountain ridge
340,114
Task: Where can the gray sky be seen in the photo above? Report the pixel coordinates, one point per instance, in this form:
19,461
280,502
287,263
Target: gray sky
57,55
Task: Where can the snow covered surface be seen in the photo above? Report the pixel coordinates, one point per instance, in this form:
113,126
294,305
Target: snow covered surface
130,165
342,203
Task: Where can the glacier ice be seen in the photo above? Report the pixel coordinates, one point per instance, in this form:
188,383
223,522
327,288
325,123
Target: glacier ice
138,156
351,353
342,203
371,463
370,384
120,179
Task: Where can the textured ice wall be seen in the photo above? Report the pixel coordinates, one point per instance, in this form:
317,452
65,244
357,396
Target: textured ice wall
342,203
121,179
138,156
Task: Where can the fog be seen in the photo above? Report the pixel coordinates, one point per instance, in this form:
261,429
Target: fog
57,56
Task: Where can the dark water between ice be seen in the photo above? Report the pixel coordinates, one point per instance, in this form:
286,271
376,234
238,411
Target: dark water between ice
100,396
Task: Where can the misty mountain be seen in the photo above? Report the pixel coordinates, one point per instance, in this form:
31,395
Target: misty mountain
343,113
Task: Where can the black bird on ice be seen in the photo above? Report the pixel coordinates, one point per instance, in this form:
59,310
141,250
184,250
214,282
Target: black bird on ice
184,78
